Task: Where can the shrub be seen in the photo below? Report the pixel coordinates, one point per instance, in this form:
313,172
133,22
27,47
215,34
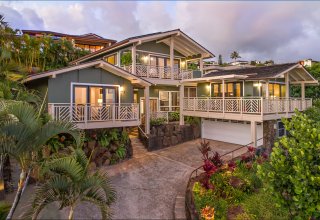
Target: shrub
4,210
192,120
294,170
174,116
157,121
216,159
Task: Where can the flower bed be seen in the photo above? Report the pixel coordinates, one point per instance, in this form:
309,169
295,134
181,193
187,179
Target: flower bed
231,190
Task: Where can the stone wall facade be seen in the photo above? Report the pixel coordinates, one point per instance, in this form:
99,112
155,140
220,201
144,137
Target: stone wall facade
269,134
162,136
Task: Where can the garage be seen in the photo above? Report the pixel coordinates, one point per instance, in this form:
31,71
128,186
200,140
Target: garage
236,132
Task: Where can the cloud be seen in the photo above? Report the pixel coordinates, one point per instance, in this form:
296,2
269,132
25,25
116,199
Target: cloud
283,31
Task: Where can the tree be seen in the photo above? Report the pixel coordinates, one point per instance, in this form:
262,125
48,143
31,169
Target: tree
23,135
235,55
69,182
220,62
293,174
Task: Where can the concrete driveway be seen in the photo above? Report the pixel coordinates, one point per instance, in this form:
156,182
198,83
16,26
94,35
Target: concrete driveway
146,185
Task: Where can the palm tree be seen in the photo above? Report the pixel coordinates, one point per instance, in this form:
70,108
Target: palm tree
24,134
69,182
235,55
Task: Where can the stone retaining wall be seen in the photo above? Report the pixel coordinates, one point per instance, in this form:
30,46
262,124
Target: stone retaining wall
162,136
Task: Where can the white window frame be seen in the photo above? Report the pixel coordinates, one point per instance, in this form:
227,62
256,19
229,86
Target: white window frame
189,87
170,106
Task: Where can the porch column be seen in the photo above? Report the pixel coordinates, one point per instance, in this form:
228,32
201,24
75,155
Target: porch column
181,104
147,109
254,133
119,58
286,78
223,96
303,96
201,65
172,56
267,89
133,57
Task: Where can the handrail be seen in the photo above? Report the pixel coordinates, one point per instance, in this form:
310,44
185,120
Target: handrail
243,146
144,134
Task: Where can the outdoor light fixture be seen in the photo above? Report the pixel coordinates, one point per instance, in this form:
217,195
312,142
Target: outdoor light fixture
145,59
121,89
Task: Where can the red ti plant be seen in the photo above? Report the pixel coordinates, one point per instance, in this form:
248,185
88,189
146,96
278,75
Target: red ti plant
232,165
208,166
216,159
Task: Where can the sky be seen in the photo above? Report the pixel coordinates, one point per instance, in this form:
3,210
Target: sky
283,31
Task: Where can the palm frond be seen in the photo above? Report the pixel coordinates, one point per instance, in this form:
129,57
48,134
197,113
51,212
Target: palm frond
53,128
24,113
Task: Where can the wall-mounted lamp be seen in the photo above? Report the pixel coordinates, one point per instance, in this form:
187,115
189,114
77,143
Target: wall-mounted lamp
145,59
121,89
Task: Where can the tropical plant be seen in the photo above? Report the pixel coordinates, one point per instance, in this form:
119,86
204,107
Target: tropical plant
126,58
174,116
23,135
293,173
157,121
192,120
4,210
69,182
235,55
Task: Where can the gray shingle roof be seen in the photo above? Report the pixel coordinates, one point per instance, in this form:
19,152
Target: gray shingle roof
261,72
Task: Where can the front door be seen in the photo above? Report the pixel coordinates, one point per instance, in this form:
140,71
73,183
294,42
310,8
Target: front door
153,105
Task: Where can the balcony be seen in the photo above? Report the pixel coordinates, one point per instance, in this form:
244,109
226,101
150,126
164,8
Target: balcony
90,117
243,107
160,72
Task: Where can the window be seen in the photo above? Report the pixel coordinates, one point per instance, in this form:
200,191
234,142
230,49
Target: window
190,92
281,131
231,89
169,100
112,59
277,90
95,95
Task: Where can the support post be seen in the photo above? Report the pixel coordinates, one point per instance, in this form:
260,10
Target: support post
286,78
181,104
223,96
267,89
147,109
201,64
303,96
254,133
172,56
134,59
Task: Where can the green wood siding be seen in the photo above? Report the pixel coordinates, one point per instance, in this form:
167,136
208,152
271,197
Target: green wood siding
154,90
155,47
60,87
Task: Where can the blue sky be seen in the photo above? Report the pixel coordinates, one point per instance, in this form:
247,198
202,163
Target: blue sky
283,31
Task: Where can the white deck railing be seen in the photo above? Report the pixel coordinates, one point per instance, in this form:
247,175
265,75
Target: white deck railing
159,72
244,105
89,113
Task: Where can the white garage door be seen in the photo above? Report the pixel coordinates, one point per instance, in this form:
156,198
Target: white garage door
231,132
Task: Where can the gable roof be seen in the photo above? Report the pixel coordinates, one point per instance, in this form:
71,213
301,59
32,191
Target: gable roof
161,36
90,37
98,64
297,73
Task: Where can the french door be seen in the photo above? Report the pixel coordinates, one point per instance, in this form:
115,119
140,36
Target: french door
94,102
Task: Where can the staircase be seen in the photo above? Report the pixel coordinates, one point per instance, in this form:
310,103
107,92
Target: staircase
138,148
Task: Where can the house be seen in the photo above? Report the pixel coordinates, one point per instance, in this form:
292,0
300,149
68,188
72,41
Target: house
112,86
308,62
149,76
246,104
91,42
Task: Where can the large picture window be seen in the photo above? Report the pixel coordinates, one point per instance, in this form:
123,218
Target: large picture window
95,95
233,89
169,100
277,90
